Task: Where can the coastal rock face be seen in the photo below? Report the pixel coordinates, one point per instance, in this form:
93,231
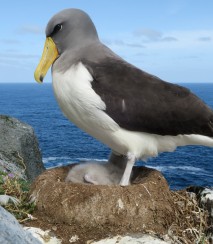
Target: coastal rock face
12,231
19,148
144,206
7,166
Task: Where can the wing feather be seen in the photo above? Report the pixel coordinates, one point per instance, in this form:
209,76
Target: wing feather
139,101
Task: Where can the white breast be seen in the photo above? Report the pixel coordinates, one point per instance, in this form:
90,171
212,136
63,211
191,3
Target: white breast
78,100
84,107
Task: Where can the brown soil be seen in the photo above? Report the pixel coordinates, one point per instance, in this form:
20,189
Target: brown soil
94,212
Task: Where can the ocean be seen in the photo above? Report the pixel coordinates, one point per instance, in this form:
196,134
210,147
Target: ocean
63,143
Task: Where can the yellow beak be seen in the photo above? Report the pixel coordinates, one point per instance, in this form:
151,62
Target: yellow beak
50,53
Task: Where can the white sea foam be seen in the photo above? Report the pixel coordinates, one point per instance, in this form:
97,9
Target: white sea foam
56,165
171,168
51,159
53,162
92,159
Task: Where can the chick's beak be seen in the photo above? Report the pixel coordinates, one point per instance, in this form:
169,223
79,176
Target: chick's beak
49,55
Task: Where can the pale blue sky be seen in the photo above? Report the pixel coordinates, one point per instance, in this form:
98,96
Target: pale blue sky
172,39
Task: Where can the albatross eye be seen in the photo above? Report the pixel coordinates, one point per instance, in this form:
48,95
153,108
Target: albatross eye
56,29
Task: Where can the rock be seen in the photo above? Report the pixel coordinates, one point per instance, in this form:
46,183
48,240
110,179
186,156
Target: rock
5,199
9,167
140,239
146,205
204,197
45,237
19,146
12,231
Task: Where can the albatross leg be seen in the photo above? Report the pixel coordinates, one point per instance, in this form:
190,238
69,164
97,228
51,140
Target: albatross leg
128,170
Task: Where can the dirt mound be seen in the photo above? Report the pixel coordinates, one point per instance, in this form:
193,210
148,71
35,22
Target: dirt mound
146,205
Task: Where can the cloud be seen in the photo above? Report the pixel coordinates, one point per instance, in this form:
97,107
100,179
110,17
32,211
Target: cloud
137,45
9,41
176,43
149,35
31,29
169,39
121,43
205,39
17,56
17,61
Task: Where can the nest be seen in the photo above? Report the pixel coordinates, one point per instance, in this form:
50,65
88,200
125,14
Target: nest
98,211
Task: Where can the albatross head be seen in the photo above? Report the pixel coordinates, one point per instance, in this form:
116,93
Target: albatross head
70,29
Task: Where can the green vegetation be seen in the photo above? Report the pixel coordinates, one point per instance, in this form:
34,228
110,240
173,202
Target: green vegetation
19,204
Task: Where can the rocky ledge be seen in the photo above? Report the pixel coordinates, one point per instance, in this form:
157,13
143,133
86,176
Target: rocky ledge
147,211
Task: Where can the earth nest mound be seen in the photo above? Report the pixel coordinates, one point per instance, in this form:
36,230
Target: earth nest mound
100,210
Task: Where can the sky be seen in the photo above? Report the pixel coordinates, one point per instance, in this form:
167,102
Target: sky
171,39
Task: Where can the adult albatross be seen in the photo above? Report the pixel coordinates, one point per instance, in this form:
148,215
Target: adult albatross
135,113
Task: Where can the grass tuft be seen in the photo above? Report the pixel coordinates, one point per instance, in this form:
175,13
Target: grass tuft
18,188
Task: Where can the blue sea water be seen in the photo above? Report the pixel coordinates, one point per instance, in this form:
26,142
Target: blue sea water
63,143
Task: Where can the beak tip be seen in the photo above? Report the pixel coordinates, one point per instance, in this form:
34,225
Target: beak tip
38,78
41,78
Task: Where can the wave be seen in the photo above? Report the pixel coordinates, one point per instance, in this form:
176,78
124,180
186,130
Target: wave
170,167
92,159
189,169
50,159
53,162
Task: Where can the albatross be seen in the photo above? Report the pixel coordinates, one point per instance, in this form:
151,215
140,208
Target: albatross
134,113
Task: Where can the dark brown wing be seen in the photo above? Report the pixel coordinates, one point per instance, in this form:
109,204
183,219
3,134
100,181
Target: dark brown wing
138,101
